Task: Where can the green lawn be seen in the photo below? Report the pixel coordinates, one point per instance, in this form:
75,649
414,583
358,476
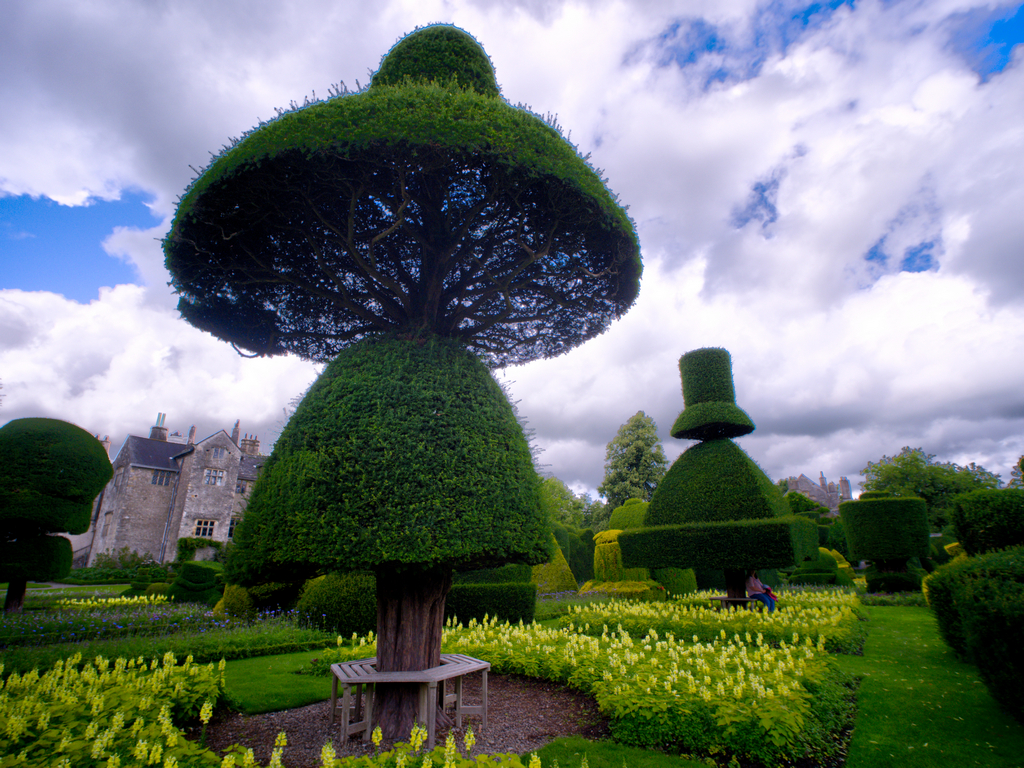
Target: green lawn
271,683
919,707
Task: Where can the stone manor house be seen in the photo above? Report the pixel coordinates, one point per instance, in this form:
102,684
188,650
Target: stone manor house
167,487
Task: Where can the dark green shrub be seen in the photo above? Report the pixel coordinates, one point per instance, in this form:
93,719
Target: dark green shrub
275,595
507,602
439,53
886,529
237,602
340,603
188,546
158,588
992,616
837,538
512,573
893,581
577,544
987,520
632,514
195,583
676,581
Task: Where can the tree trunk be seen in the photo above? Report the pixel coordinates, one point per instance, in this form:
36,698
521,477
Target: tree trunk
735,582
15,595
410,618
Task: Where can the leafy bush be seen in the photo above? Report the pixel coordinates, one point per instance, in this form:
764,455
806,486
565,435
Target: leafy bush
158,588
987,520
893,581
554,576
676,581
979,606
630,515
507,602
646,590
577,544
189,545
276,595
236,603
608,560
195,583
512,573
340,603
126,559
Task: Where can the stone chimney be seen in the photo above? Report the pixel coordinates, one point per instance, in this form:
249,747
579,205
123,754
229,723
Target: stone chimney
158,431
235,433
192,435
844,489
105,442
250,445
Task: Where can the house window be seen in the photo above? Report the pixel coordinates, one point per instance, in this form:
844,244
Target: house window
204,528
106,523
117,477
214,477
161,478
240,486
231,527
219,453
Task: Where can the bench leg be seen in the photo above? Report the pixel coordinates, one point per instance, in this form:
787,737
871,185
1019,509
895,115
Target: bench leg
458,701
334,697
483,704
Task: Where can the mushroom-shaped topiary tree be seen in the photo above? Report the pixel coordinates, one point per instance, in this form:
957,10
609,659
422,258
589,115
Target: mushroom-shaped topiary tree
888,531
715,508
50,472
409,233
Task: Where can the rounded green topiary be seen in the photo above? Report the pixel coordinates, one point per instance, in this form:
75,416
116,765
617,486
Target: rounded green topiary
340,603
237,602
404,452
438,53
715,481
50,472
988,520
195,583
630,515
709,396
676,581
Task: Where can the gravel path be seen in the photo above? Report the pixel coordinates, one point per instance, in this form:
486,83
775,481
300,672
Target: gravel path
523,714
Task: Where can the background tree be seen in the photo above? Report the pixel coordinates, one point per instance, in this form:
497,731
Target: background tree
561,504
912,472
1017,474
396,231
715,508
50,472
634,462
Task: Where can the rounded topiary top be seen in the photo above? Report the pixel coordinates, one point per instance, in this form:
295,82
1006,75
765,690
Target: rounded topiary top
50,472
441,53
405,452
630,515
710,398
885,528
422,204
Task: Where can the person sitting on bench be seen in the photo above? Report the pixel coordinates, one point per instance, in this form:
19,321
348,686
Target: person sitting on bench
758,591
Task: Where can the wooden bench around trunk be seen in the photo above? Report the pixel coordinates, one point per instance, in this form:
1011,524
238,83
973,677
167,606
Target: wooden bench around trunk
736,602
363,672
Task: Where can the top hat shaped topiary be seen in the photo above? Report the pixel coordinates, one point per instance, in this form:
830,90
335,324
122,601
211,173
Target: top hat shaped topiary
710,411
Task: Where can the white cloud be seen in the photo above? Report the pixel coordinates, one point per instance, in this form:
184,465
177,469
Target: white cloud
763,161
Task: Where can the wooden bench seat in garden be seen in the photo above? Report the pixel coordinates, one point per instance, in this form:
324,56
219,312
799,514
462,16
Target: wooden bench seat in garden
736,602
363,672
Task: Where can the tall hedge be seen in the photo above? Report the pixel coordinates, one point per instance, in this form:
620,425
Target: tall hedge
404,452
979,606
577,545
894,528
986,520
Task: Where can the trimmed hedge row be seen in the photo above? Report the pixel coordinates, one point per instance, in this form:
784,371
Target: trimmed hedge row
577,545
987,520
979,605
774,543
506,602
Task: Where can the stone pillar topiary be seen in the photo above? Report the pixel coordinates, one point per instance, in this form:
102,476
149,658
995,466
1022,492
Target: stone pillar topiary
715,508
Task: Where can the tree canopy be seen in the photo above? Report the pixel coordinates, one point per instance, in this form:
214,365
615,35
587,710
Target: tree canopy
634,462
50,472
912,472
421,204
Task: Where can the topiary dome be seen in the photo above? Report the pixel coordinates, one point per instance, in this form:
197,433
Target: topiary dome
439,53
424,203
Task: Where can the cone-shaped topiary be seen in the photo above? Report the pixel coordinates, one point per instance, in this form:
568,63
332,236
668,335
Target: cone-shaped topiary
50,472
715,508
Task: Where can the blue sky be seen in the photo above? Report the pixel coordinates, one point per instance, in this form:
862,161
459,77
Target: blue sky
830,190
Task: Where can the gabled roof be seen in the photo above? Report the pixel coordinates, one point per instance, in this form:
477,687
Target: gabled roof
153,454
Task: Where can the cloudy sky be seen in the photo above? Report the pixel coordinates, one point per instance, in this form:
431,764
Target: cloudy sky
830,190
